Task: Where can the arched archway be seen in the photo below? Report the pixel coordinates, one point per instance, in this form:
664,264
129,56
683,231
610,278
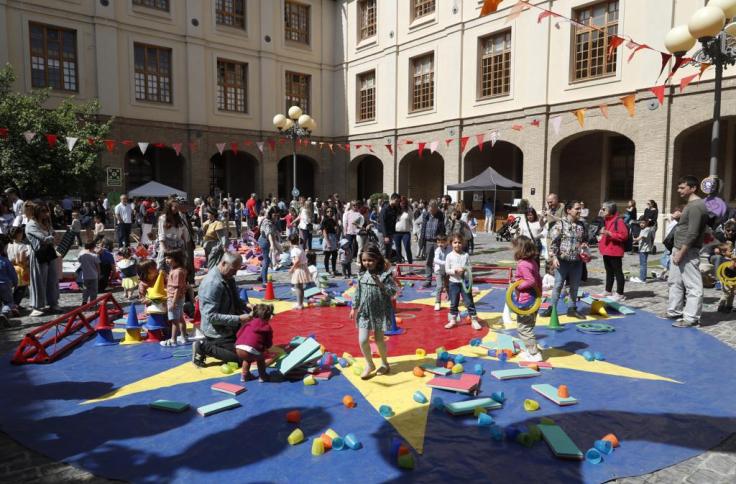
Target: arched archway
592,167
306,169
422,176
692,157
234,173
160,164
366,175
504,157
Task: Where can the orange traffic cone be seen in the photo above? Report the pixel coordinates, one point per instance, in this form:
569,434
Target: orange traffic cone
269,296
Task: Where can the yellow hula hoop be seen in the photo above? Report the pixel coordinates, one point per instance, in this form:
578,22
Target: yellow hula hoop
721,274
522,312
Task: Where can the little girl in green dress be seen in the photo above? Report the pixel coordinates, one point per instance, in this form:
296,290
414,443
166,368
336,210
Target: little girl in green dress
372,307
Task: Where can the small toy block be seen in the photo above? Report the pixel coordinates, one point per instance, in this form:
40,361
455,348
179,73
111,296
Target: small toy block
560,443
323,375
436,370
228,388
217,407
619,307
469,406
550,392
505,342
539,364
467,383
312,291
302,353
297,340
514,373
169,406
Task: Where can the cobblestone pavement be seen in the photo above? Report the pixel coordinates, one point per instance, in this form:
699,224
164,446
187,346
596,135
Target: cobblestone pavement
717,465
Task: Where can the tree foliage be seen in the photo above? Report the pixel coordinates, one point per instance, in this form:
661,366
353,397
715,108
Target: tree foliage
36,168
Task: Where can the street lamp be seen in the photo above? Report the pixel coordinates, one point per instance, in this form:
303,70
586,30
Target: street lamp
712,26
297,125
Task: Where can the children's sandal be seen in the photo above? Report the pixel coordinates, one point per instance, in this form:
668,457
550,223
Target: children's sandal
383,370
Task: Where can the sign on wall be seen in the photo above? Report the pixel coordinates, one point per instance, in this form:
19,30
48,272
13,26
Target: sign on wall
114,176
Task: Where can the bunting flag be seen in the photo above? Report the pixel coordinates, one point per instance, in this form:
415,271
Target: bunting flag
347,147
177,148
70,142
272,144
556,122
636,49
433,146
370,148
193,145
220,147
517,127
659,92
516,10
357,147
29,135
494,137
3,133
128,143
580,115
234,148
665,60
489,6
604,110
703,67
679,62
332,149
260,144
464,143
143,146
630,103
421,148
535,123
544,15
448,141
110,145
479,140
613,43
51,139
685,81
248,143
390,150
159,145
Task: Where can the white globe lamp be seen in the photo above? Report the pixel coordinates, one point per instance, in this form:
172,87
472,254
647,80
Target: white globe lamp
706,22
279,121
295,112
728,7
679,40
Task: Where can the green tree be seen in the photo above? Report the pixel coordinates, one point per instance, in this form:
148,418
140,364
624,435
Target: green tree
36,168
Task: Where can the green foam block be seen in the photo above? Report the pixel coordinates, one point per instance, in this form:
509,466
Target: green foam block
218,407
169,406
514,373
469,406
299,355
559,442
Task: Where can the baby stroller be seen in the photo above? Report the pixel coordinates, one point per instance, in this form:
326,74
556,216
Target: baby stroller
507,230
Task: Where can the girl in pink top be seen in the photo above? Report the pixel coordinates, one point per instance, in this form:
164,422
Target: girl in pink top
253,339
527,270
176,290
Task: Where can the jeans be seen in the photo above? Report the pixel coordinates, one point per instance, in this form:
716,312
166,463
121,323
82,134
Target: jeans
686,288
238,226
643,256
6,298
571,271
405,238
222,349
388,245
122,232
265,246
429,264
489,220
615,270
456,290
78,237
306,239
331,255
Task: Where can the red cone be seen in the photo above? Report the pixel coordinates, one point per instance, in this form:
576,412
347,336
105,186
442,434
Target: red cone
102,322
269,296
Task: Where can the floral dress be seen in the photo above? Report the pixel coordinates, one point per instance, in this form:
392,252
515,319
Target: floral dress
372,303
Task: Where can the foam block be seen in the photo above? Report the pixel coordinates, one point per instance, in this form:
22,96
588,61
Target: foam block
559,442
436,370
312,291
514,373
218,407
467,383
299,355
469,406
550,392
228,388
169,406
539,364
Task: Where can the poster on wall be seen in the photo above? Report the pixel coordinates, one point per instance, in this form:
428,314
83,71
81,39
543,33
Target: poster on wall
114,177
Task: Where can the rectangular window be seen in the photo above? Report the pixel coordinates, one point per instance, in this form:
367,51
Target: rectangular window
597,24
230,13
297,90
495,65
152,73
54,57
232,86
367,96
296,22
422,91
366,19
420,8
157,4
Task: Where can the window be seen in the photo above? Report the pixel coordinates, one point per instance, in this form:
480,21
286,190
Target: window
296,22
297,90
495,65
230,13
598,23
366,19
152,73
157,4
232,86
54,57
367,96
422,91
420,8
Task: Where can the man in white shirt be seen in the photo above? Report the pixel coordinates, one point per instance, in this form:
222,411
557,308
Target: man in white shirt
16,205
123,221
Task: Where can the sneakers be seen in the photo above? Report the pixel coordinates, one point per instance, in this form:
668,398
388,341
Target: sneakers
617,297
36,313
573,313
436,306
451,322
673,317
475,324
298,306
526,356
168,343
636,280
181,340
681,323
197,356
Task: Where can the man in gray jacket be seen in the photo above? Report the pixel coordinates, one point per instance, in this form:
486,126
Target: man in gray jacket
222,312
685,282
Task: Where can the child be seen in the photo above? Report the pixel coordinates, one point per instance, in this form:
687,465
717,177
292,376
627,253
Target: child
440,254
527,270
8,283
457,263
473,224
99,232
372,307
19,255
76,228
107,262
176,290
646,241
89,266
312,268
147,272
298,270
345,255
128,271
253,339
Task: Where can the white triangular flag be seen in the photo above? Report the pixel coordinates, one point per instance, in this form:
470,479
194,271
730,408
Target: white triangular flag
433,146
70,142
177,148
494,137
29,135
260,145
220,147
313,143
556,122
143,146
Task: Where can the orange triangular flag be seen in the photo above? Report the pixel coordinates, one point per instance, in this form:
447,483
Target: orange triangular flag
659,92
516,10
604,110
390,150
489,6
630,103
685,81
479,139
580,114
703,67
613,44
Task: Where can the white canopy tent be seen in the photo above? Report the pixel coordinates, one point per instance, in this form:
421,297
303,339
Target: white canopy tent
155,189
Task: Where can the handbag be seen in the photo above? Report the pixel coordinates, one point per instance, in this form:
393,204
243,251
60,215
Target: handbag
669,241
46,253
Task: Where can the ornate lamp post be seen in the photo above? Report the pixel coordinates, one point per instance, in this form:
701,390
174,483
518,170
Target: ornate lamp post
713,26
297,125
